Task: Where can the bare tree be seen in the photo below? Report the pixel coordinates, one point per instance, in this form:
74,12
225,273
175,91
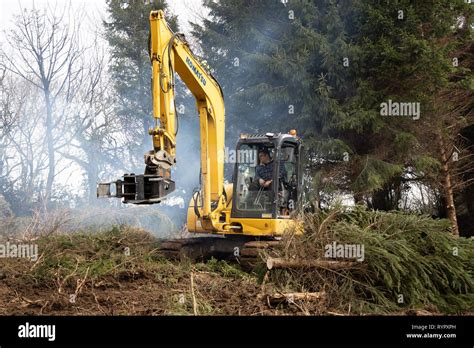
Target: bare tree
96,129
22,145
45,51
8,118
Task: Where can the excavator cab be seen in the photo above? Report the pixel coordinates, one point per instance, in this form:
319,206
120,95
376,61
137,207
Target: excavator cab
267,177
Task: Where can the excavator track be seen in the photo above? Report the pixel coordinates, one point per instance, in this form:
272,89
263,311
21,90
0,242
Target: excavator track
245,251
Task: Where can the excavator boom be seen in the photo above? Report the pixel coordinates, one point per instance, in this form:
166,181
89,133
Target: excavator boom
170,54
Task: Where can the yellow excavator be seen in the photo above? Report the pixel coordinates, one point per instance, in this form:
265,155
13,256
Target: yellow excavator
265,197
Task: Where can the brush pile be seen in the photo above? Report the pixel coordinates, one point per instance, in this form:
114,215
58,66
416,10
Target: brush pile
409,263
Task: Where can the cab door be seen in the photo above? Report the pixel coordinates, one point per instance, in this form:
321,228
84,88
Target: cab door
288,176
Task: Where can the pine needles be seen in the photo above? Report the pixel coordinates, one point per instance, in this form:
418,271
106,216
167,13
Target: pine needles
410,262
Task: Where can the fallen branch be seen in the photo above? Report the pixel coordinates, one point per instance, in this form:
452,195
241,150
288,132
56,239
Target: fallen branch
80,283
292,297
60,282
285,263
192,293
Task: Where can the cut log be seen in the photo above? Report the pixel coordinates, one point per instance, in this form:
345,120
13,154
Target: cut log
292,297
273,262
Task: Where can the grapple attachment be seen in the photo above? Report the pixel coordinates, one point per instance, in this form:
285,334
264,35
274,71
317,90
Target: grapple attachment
137,189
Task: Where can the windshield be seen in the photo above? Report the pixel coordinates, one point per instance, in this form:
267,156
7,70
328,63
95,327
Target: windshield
254,179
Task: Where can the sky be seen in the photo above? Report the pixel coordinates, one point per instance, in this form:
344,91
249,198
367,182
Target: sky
187,10
9,8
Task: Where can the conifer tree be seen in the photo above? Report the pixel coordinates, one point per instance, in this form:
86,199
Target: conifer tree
127,31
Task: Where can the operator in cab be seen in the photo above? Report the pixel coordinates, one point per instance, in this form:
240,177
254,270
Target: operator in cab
264,171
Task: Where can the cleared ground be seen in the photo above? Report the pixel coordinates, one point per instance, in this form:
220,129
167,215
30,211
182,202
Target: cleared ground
120,271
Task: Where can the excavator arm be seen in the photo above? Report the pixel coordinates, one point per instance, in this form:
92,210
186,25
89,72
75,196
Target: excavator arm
170,54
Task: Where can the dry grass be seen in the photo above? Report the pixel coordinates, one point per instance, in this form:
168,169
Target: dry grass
120,272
